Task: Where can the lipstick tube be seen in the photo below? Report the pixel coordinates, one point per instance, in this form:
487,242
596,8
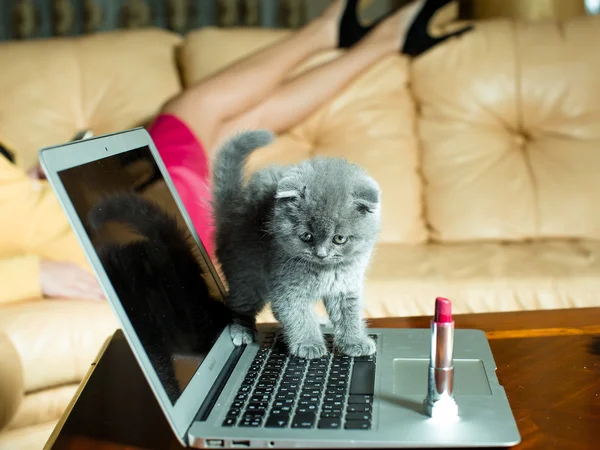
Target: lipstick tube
439,402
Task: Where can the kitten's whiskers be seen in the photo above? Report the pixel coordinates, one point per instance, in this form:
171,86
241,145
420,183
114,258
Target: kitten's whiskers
290,260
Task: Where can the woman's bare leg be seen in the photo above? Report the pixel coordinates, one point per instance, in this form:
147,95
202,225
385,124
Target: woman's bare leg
247,82
298,98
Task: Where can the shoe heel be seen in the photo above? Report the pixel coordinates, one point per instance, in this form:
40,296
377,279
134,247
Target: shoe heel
418,40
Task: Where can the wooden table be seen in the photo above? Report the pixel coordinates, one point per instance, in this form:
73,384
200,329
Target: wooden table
548,362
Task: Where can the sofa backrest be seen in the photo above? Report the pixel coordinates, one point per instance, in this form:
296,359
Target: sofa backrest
50,89
492,136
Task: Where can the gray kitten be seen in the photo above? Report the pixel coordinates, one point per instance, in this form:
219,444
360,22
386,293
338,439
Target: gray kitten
291,236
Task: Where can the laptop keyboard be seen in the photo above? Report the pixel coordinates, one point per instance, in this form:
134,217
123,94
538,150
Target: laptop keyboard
281,391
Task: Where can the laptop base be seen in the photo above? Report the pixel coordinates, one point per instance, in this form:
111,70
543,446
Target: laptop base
398,415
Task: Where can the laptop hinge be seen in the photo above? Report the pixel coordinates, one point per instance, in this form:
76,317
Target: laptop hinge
219,384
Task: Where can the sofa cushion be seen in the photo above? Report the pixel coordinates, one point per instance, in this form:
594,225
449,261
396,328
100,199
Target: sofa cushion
11,380
509,128
106,82
56,340
30,438
43,406
371,123
483,277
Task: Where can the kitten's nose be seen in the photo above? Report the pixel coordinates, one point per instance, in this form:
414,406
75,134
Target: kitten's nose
321,253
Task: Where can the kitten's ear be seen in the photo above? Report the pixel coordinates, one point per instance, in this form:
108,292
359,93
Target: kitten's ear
289,188
287,195
367,196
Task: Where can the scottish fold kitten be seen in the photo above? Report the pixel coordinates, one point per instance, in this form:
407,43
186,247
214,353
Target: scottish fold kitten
293,235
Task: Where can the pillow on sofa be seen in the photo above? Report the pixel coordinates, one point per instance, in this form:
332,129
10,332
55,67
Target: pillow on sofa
508,121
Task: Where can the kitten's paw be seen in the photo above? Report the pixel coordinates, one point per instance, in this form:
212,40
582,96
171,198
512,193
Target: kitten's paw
356,347
309,351
240,334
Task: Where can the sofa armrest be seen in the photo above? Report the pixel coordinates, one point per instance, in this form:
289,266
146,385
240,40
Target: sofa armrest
11,380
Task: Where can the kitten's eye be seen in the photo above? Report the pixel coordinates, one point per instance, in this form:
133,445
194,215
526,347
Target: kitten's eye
339,239
306,237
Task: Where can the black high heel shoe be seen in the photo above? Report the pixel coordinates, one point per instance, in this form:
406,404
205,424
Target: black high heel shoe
418,40
351,31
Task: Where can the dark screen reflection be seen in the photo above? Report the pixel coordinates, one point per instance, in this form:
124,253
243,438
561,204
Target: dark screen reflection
152,262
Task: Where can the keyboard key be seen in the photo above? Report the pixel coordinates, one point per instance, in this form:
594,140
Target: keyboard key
313,385
331,414
269,379
250,421
267,390
363,378
364,358
335,390
334,404
330,423
334,397
358,408
358,416
307,409
303,421
254,424
323,360
229,422
308,398
277,421
262,406
315,379
282,403
310,393
294,379
286,391
357,425
360,399
234,412
297,360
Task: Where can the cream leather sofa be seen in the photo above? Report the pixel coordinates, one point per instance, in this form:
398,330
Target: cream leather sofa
487,149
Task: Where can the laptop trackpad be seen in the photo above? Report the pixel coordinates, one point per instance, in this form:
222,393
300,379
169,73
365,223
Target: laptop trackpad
410,377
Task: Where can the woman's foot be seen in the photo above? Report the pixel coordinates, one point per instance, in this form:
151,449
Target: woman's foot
392,30
409,28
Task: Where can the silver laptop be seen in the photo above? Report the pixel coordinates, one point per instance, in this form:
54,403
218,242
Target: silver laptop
214,394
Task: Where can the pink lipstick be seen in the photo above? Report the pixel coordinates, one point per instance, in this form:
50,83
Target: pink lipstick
439,403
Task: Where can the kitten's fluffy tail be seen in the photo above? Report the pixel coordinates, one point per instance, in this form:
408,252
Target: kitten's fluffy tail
145,217
228,168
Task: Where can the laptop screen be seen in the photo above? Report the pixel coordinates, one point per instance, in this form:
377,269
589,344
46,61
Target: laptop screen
160,276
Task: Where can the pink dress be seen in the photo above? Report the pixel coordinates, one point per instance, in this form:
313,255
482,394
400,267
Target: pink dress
187,162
